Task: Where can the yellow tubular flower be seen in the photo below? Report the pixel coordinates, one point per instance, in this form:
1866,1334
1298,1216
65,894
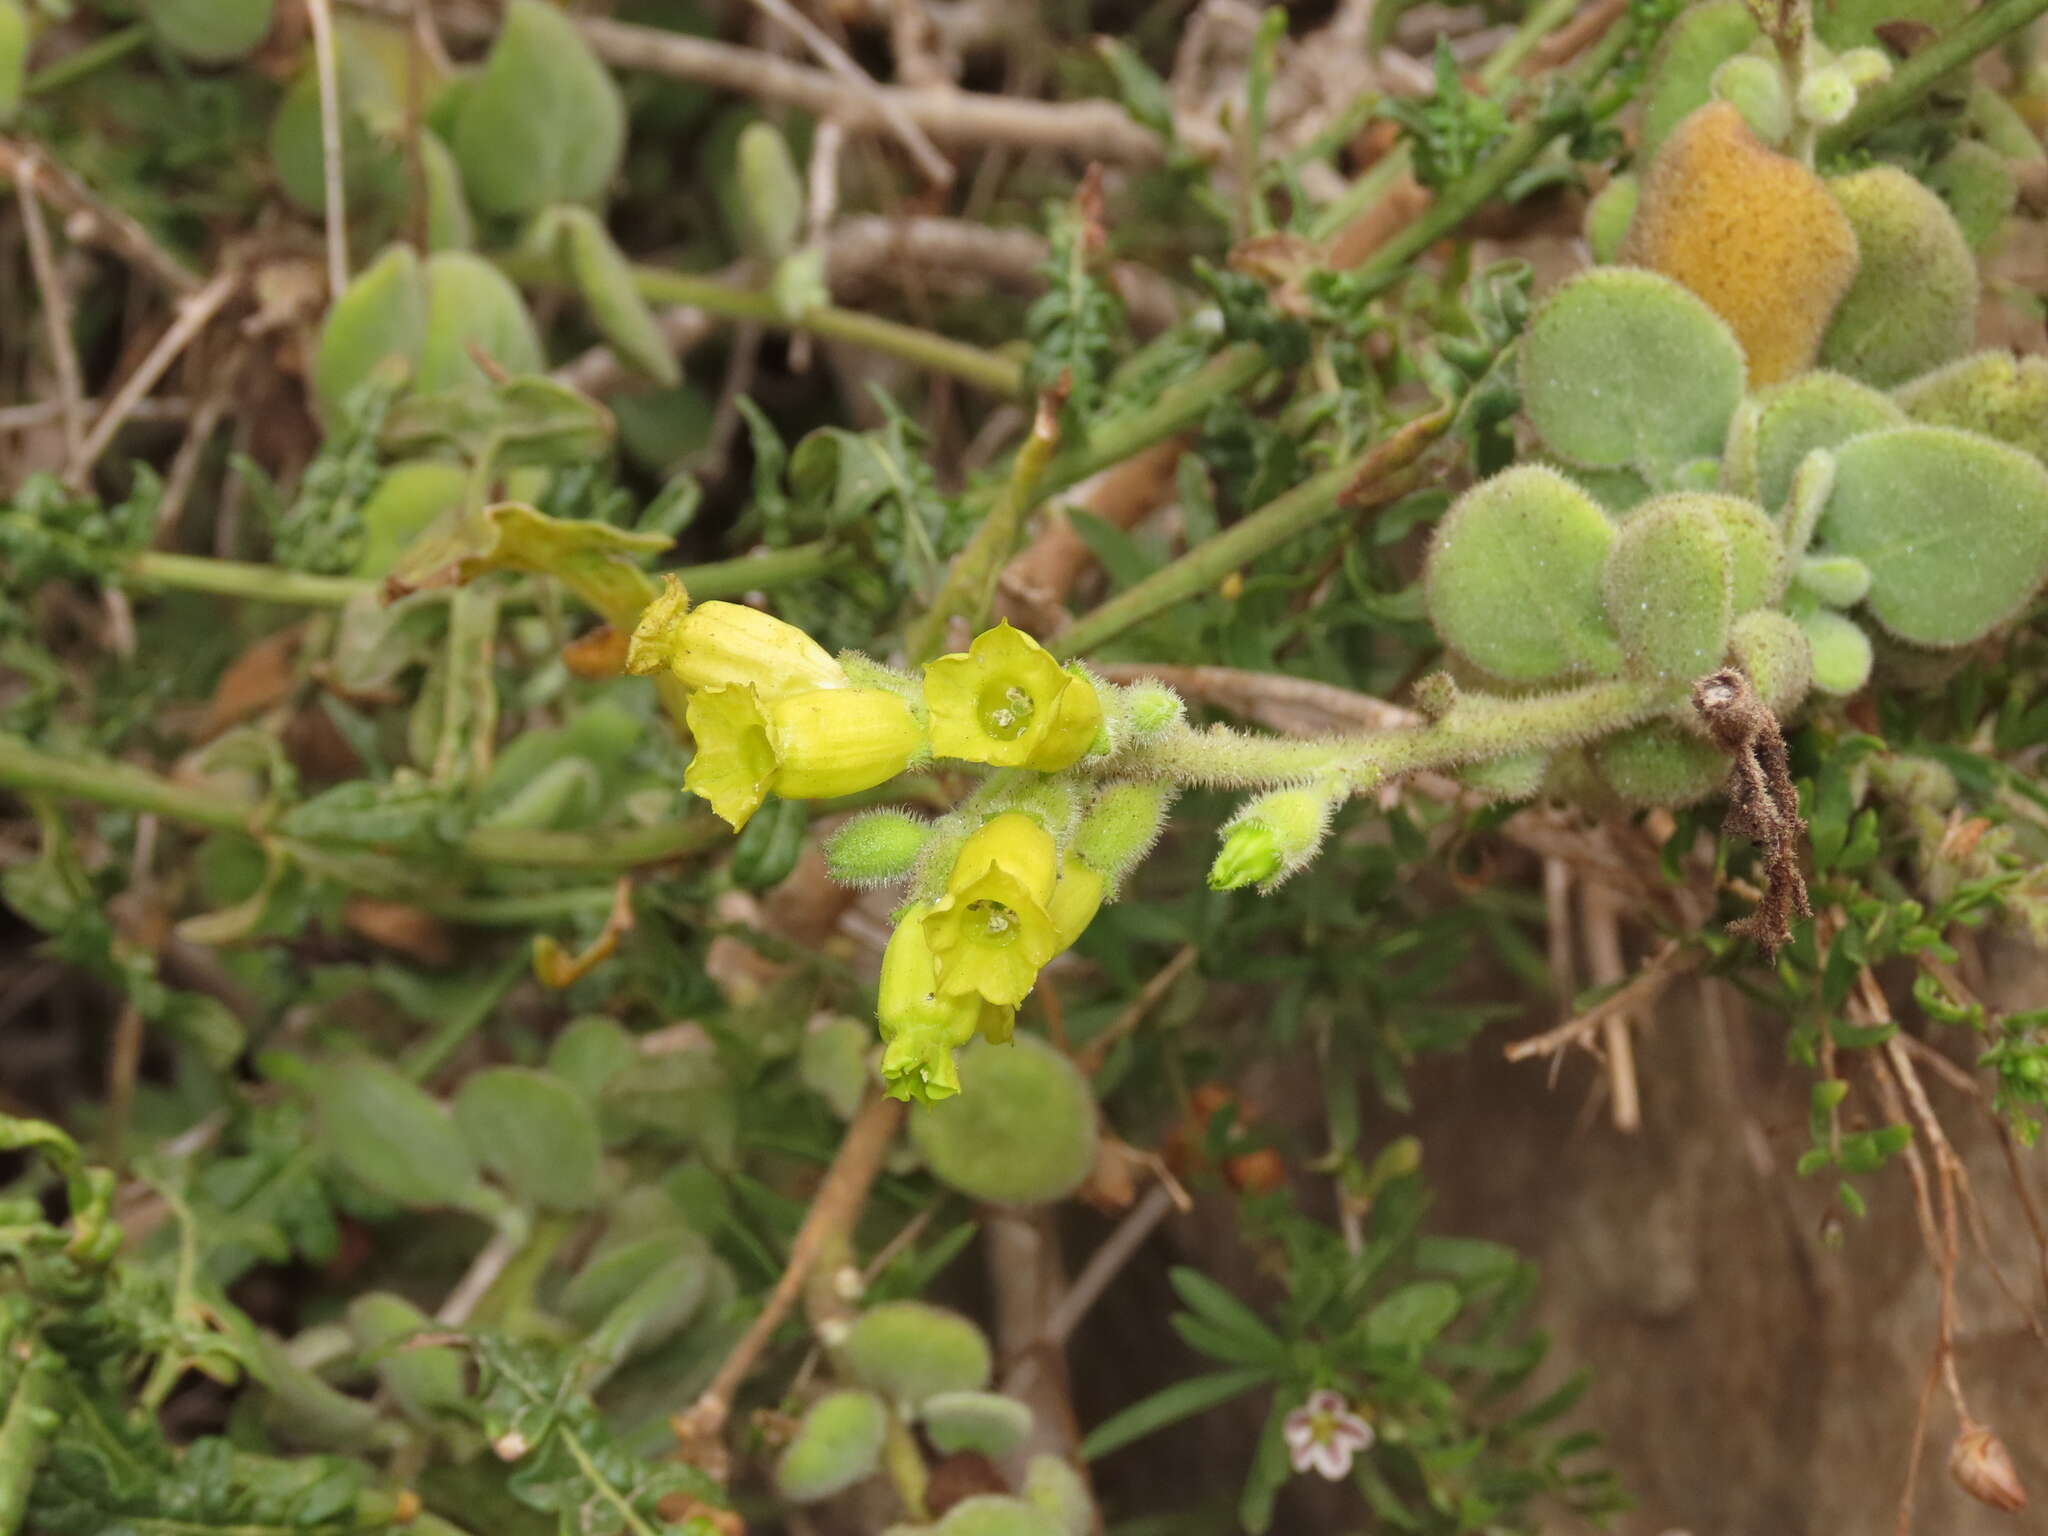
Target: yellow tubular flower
1075,901
810,746
729,645
1005,701
991,932
921,1029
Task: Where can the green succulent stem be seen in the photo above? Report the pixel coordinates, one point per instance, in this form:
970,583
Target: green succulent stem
1368,478
985,370
92,58
904,1463
1478,729
267,583
1976,33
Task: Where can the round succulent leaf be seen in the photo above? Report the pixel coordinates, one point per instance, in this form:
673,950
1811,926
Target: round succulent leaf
1953,526
1995,393
1695,46
591,1051
406,502
838,1444
620,1268
426,1380
911,1351
1021,1131
1839,581
381,314
472,308
1978,185
1753,233
1513,580
771,192
1054,1486
986,1422
994,1514
211,31
535,1133
605,279
1618,491
1841,651
1518,776
1780,425
1659,764
1670,594
1757,568
373,166
1625,368
1774,654
1608,216
1755,87
544,123
1913,304
390,1135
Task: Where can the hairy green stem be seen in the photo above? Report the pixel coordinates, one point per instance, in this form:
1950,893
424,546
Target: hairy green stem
659,285
267,583
109,782
1316,499
1479,729
1979,31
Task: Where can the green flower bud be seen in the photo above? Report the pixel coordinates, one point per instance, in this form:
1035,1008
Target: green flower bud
1150,708
1826,96
1120,827
771,193
1755,87
910,1351
838,1444
876,848
1274,836
1865,66
1913,303
1022,1132
211,31
986,1422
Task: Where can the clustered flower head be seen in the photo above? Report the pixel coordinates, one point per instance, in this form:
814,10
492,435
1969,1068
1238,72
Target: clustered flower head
998,887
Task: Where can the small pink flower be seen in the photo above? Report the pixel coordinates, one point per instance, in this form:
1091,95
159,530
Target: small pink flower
1324,1434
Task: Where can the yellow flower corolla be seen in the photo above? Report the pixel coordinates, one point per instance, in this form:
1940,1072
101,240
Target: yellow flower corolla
1006,702
921,1028
728,645
807,746
992,931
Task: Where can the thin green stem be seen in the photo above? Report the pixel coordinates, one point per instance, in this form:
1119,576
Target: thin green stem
26,1430
90,59
1315,500
1979,31
1175,409
971,584
109,782
659,285
607,850
1477,730
267,583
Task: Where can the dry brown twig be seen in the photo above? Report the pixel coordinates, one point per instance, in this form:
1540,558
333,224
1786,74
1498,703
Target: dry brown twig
834,1209
328,71
56,306
1763,805
91,219
1673,960
1098,129
937,169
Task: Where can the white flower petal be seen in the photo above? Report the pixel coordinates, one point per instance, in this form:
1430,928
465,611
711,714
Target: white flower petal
1299,1427
1351,1430
1331,1459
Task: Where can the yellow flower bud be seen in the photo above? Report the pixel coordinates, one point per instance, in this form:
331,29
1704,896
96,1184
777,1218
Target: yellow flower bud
921,1029
991,932
728,645
1005,701
814,745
